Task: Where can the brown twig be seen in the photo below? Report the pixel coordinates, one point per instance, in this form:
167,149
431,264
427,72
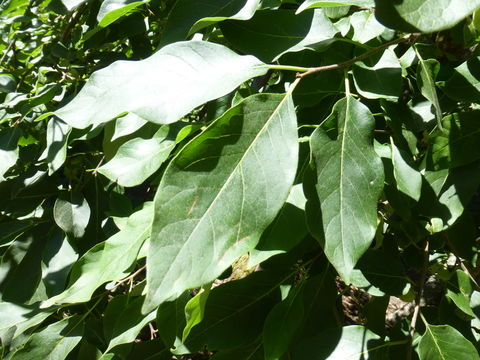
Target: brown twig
128,278
365,55
73,21
418,299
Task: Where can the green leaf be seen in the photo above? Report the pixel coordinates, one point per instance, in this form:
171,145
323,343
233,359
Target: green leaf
235,312
187,17
408,179
427,71
349,180
127,125
53,342
195,309
457,144
350,342
459,290
277,32
365,26
200,71
219,194
57,140
464,84
107,261
423,15
282,323
7,83
309,4
16,319
112,10
382,79
446,343
446,193
138,158
128,323
72,4
72,213
8,149
285,232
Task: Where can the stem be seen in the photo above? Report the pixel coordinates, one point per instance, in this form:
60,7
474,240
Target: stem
289,67
128,278
416,311
365,55
347,83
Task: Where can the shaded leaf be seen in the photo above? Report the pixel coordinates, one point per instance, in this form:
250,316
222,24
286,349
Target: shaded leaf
53,342
277,32
349,179
460,290
57,140
427,71
382,79
8,149
350,342
464,85
457,144
198,70
235,177
187,17
72,213
107,261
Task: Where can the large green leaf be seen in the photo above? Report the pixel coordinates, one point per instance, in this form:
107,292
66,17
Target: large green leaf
349,180
187,17
457,144
150,88
107,261
277,32
219,194
350,342
72,213
53,342
138,158
459,290
446,343
423,15
309,4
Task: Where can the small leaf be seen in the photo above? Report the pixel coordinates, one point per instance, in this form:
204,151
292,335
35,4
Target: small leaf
459,290
107,261
423,15
235,177
408,179
446,343
200,71
72,213
427,71
138,158
53,342
127,125
349,180
365,26
309,4
195,309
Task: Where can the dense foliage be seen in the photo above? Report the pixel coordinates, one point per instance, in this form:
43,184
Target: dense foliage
239,179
